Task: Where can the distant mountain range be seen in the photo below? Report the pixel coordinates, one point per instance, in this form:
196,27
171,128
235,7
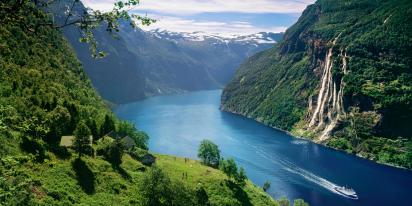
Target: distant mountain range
146,63
252,39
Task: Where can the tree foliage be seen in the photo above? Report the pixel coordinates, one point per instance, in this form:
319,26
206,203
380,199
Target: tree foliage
82,140
266,186
158,189
230,168
140,138
201,196
15,184
111,150
361,125
299,202
108,125
209,153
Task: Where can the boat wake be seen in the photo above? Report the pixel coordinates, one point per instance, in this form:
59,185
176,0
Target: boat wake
299,142
312,178
292,168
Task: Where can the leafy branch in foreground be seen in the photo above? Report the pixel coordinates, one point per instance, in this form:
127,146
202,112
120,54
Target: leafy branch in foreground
34,14
90,19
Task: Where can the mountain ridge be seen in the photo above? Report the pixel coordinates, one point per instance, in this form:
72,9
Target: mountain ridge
140,65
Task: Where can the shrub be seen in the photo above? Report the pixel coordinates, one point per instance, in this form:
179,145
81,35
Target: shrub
241,177
201,196
137,153
111,150
229,167
266,186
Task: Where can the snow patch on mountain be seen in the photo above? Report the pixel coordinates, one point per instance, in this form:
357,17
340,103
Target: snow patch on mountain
253,39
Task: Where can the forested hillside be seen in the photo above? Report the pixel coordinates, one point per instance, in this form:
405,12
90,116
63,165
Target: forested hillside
342,76
44,91
44,95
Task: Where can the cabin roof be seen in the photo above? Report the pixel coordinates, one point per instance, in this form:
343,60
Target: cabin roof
67,141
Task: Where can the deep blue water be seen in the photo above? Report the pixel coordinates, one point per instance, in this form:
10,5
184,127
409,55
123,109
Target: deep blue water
296,168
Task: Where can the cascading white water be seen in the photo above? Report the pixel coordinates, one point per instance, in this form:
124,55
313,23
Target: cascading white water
322,93
329,105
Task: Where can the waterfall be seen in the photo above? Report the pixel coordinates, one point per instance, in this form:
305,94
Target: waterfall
329,106
322,93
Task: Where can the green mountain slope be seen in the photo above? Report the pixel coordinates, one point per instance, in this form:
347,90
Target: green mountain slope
45,94
342,76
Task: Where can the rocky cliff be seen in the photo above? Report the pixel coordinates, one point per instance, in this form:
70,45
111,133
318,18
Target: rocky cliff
342,76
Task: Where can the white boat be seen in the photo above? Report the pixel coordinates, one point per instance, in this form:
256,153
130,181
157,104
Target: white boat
347,192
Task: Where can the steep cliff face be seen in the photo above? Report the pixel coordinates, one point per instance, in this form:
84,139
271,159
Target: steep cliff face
328,108
343,72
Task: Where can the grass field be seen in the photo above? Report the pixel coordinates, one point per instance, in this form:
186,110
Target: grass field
93,181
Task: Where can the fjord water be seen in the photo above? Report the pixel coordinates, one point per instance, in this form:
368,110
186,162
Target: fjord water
295,168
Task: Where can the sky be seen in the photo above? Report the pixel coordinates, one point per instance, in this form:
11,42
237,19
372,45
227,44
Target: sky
224,17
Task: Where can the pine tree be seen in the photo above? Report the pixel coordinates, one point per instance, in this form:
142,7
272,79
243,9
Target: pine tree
82,139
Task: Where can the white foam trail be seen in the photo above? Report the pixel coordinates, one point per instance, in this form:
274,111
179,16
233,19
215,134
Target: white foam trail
290,167
313,178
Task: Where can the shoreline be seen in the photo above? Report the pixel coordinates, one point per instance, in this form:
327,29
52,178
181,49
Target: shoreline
307,139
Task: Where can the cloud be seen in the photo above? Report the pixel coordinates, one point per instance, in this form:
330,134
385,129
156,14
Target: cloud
180,7
196,15
227,29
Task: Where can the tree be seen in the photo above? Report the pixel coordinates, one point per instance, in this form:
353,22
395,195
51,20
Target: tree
300,202
283,201
209,153
181,195
111,150
74,116
229,167
82,139
108,125
91,123
140,138
266,186
157,189
57,120
241,177
116,151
